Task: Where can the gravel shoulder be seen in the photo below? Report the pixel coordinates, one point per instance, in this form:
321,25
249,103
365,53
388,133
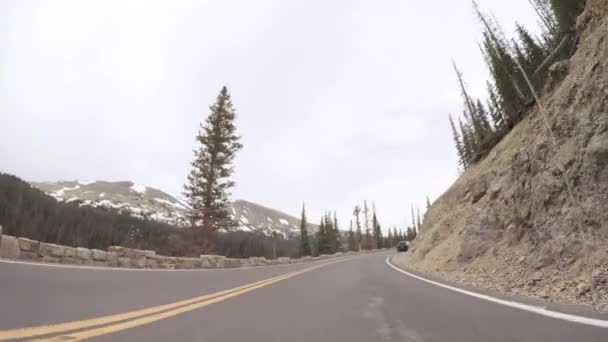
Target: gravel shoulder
463,281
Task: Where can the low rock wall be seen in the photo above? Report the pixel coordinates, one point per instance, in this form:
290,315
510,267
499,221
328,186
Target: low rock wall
20,248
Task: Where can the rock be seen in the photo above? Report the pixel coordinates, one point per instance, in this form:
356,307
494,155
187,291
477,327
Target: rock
543,294
27,255
599,277
284,260
51,250
9,247
99,255
537,276
50,259
494,190
83,253
149,254
521,259
151,263
29,245
232,263
556,72
70,252
582,289
119,250
124,262
139,262
220,261
478,190
112,259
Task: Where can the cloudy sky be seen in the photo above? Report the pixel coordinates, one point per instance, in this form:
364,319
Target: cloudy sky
338,101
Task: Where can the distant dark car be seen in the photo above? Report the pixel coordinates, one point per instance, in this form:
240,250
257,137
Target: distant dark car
402,246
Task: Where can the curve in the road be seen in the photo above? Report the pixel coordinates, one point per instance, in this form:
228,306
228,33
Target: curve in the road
531,308
122,321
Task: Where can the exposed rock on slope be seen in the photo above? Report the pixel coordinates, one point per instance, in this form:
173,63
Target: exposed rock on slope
508,222
147,202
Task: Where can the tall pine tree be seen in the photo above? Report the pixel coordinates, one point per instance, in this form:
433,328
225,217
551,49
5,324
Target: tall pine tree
208,187
304,240
358,233
352,241
377,231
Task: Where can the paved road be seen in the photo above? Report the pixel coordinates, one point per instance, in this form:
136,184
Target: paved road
357,299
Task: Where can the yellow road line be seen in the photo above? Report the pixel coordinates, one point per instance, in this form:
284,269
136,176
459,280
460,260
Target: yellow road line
157,311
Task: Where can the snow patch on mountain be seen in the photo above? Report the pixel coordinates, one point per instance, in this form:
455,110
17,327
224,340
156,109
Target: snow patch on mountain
137,187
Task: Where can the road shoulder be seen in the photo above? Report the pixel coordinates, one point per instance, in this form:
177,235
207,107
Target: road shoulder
400,261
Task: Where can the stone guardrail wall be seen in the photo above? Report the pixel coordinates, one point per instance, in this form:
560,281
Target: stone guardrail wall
20,248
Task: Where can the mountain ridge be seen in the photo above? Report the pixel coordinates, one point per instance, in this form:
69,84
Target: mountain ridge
147,202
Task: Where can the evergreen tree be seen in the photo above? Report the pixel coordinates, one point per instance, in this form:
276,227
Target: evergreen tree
413,215
367,239
352,241
396,237
459,146
377,231
428,203
208,186
323,242
495,108
359,233
304,241
337,246
390,239
418,220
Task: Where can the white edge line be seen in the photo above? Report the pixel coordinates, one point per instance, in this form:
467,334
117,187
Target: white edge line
531,308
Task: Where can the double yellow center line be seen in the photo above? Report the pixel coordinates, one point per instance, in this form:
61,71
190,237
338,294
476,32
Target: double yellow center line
84,329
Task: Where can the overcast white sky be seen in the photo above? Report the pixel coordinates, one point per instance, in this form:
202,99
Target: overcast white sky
338,101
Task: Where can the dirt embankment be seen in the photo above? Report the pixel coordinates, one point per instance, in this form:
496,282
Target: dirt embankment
509,222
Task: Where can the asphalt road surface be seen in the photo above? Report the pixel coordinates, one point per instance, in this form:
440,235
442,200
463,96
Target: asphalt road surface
354,299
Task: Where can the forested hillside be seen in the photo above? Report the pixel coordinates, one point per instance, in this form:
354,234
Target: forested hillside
28,212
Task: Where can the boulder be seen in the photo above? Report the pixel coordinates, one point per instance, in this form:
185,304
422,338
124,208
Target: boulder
119,250
124,262
207,261
232,263
220,261
99,255
70,252
284,260
139,262
151,263
83,253
9,247
112,259
28,245
28,255
51,250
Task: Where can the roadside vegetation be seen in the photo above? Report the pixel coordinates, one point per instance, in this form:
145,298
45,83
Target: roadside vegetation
519,68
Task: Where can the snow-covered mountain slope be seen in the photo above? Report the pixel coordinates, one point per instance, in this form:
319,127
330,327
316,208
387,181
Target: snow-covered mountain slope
147,202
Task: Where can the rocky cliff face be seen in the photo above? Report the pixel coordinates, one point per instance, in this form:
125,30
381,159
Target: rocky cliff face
509,222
